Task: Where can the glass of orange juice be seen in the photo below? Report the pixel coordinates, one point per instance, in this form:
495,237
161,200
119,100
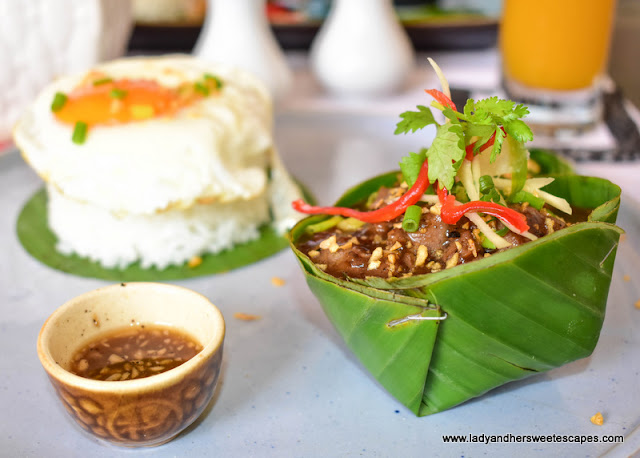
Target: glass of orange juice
554,55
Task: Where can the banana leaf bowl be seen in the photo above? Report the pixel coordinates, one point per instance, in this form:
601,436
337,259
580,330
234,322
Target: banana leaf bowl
434,341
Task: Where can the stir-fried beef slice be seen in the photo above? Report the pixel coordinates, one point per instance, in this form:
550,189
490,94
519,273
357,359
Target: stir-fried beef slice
386,250
540,222
433,247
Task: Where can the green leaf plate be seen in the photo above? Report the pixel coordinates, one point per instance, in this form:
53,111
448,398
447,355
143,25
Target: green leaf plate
549,162
520,312
38,240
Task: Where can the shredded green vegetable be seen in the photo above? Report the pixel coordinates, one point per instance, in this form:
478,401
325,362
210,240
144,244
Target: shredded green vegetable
324,225
350,224
524,196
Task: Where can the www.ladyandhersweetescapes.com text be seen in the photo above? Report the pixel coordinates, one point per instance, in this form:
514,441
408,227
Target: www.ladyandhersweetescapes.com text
526,438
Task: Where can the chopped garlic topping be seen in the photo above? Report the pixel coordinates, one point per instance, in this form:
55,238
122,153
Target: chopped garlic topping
421,256
330,244
453,260
374,261
549,223
597,419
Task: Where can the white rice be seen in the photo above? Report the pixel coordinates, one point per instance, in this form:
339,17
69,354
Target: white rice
170,237
166,189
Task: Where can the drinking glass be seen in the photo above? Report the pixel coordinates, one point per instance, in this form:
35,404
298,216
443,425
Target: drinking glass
554,54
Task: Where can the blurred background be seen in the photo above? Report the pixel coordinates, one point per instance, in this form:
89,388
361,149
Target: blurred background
431,24
174,26
42,39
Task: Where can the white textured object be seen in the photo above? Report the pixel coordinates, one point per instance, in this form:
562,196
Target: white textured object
237,32
361,49
215,149
170,237
42,39
164,189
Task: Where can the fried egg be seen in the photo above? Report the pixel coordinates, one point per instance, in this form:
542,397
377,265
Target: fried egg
146,135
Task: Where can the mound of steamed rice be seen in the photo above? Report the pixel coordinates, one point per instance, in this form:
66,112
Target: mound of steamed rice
160,240
167,189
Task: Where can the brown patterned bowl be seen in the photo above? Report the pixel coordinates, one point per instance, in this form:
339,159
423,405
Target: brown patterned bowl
143,412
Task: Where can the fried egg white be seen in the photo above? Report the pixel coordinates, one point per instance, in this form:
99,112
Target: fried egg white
214,150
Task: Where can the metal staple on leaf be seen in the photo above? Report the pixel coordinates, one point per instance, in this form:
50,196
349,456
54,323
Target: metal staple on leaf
416,317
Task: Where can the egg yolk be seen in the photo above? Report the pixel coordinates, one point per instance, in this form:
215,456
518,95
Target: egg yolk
122,101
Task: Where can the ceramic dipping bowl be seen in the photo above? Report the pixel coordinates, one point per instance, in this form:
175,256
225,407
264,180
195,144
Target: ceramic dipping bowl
146,411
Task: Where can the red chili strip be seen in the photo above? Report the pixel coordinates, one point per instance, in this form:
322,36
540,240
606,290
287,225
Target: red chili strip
386,213
441,98
451,213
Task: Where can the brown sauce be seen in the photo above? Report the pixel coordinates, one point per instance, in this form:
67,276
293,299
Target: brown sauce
578,215
134,352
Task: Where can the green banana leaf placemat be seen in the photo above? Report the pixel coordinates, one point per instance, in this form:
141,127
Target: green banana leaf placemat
38,240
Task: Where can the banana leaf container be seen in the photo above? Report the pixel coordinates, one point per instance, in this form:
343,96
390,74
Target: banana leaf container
437,340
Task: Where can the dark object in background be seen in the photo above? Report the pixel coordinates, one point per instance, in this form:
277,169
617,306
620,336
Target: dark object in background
413,2
468,34
160,39
476,34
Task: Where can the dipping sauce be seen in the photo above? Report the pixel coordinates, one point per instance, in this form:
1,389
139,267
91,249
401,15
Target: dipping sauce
134,352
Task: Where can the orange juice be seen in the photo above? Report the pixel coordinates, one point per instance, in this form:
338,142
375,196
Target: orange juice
555,44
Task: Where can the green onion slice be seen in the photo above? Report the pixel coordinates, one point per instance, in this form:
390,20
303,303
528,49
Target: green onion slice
486,184
79,133
411,221
209,77
201,88
488,244
116,93
101,81
59,101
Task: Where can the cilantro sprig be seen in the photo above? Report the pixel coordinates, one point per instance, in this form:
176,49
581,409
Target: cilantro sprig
410,166
488,120
415,120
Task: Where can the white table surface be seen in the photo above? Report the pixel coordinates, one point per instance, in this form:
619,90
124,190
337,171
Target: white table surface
289,386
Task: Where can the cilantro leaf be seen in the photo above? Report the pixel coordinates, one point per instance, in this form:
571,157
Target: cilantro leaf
497,107
415,120
497,144
445,154
469,107
521,111
486,120
518,130
483,140
411,164
485,117
480,130
451,115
